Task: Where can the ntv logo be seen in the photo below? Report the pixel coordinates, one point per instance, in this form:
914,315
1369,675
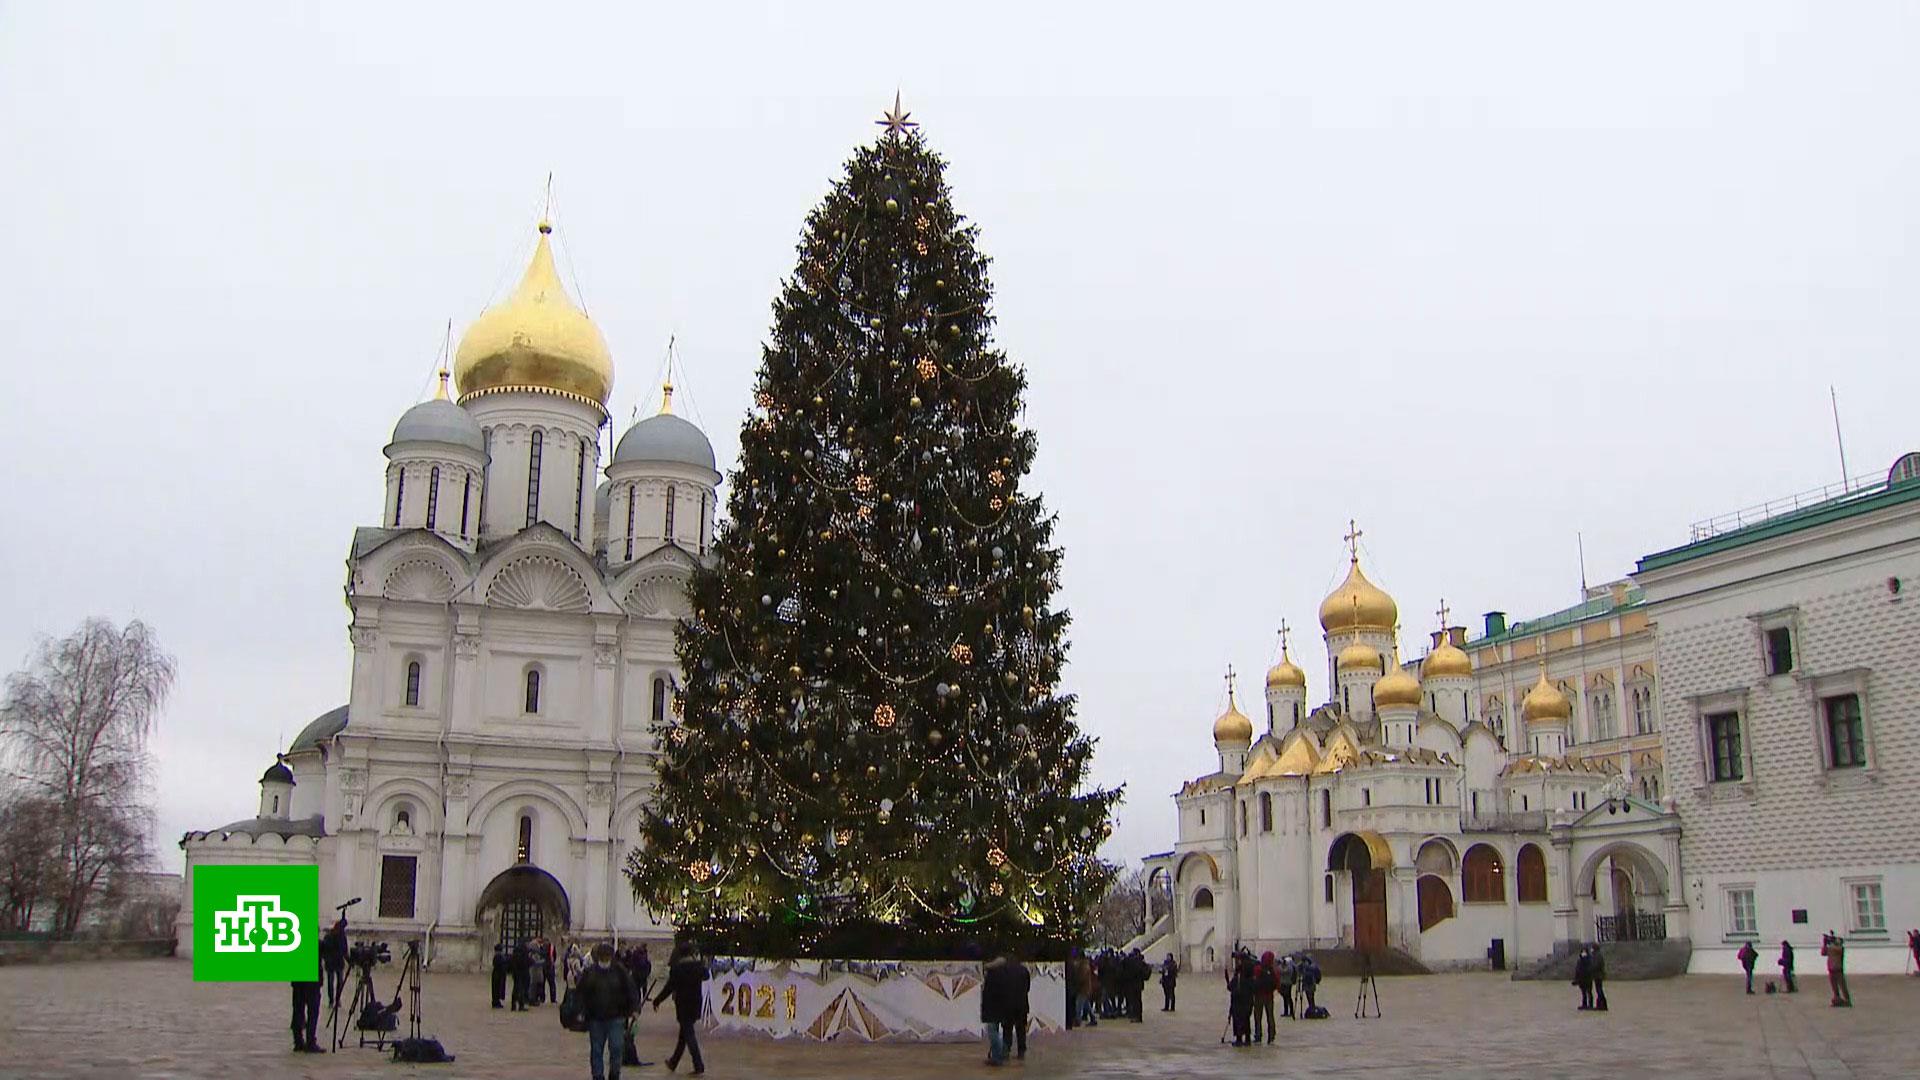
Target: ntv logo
257,924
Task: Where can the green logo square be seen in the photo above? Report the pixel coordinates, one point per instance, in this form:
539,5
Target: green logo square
256,923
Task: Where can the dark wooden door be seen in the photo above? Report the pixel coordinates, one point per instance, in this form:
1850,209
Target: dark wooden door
1370,910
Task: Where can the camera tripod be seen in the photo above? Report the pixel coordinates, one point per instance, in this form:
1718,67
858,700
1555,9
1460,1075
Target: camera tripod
1367,983
364,999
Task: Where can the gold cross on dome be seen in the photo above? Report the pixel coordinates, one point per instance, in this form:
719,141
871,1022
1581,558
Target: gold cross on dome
1229,684
1443,613
1285,636
1353,540
895,119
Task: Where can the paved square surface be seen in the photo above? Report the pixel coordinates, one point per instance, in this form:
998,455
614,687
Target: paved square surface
149,1019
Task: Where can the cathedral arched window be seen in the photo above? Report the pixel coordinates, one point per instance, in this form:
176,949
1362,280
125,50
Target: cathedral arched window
533,479
703,523
1203,900
659,700
523,851
1483,876
1533,875
633,500
580,489
413,683
1266,812
1326,809
466,500
433,496
486,441
1436,901
399,493
533,690
667,529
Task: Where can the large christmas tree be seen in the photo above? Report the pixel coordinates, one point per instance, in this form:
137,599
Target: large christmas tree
872,752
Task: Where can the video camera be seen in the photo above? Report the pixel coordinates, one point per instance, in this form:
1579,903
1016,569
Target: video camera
368,953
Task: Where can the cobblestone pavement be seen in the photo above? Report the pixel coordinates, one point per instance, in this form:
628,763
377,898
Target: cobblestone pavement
149,1019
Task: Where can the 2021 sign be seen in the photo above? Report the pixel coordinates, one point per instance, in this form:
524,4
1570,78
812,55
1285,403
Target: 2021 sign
756,1001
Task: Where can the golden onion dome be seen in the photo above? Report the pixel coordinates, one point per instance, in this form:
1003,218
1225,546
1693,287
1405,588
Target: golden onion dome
1545,703
535,340
1446,660
1358,604
1358,656
1286,674
1233,726
1397,687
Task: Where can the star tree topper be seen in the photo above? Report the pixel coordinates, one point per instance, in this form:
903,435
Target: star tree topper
895,119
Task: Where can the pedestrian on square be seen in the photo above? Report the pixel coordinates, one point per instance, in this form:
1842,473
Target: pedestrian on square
607,998
576,962
685,972
1309,978
1284,975
1138,971
1834,948
1748,957
306,1017
549,960
1015,1003
1598,966
1265,982
520,966
1240,1000
1169,977
1087,989
1583,977
501,961
1786,966
993,1009
642,968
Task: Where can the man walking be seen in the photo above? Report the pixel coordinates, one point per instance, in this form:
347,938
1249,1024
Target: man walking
1835,950
1599,963
1748,957
685,972
607,998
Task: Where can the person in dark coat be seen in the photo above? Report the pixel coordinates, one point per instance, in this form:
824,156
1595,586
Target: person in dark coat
1240,1001
499,973
642,969
306,1017
1748,957
993,1008
1308,974
333,960
1583,977
1265,982
520,966
685,973
1137,972
1015,1003
607,997
549,959
1786,967
1169,976
1597,967
1284,976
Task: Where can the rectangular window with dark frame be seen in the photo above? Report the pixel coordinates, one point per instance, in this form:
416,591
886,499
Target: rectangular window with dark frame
534,449
466,500
666,530
1779,650
1723,735
1846,734
580,489
433,497
396,886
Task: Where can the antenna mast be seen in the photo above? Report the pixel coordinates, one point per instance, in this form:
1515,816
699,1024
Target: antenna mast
1834,397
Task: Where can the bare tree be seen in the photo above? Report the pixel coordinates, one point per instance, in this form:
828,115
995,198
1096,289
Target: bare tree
1118,919
29,857
75,725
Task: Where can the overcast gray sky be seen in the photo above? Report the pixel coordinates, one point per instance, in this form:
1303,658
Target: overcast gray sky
1478,275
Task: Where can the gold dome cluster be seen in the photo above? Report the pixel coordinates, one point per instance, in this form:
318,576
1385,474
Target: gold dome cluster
1358,604
1545,703
535,340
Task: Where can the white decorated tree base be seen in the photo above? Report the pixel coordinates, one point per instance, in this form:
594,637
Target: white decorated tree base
869,1001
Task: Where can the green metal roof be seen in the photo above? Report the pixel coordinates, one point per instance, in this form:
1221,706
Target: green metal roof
1598,607
1852,504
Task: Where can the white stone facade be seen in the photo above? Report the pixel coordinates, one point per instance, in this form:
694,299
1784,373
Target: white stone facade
1783,841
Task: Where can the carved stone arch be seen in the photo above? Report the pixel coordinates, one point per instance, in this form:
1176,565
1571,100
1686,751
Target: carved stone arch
537,582
418,578
1213,868
537,791
380,798
661,593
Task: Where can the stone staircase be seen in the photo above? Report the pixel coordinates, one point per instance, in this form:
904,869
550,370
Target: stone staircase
1350,963
1627,961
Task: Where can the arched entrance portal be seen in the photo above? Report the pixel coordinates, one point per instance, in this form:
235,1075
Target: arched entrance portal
1366,858
523,902
1621,893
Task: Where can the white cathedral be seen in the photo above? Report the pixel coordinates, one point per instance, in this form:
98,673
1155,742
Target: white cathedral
1389,817
513,642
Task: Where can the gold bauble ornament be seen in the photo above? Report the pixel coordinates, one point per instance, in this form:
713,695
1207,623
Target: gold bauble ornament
818,400
887,497
782,553
893,206
914,401
795,671
953,590
873,772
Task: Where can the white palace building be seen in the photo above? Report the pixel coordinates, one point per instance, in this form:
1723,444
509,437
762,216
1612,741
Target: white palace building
513,642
